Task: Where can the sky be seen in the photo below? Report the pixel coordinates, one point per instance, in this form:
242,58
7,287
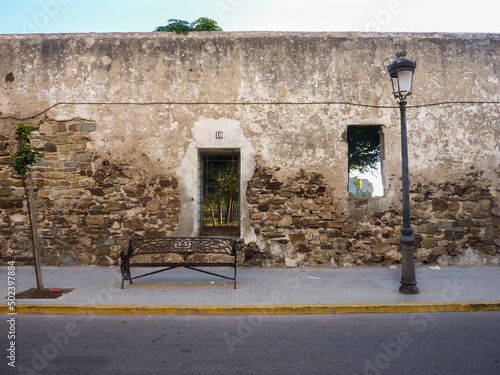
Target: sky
70,16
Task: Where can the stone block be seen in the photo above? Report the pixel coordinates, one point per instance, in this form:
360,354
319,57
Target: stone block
68,259
349,228
55,175
303,248
484,205
108,242
480,214
475,231
153,205
88,127
429,243
257,216
84,258
5,191
439,204
417,197
278,201
154,233
103,261
54,193
469,206
335,233
285,221
263,207
83,156
165,183
474,239
387,233
273,216
381,248
392,256
489,232
45,128
174,203
10,203
96,191
273,235
364,233
274,185
95,220
6,160
295,237
310,205
479,223
287,193
446,224
74,127
458,190
423,214
448,235
326,215
490,249
114,206
6,182
50,147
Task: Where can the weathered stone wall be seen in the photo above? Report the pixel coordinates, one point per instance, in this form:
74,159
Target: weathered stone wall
121,119
87,207
298,222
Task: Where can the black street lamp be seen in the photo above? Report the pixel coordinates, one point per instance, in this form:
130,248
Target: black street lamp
401,72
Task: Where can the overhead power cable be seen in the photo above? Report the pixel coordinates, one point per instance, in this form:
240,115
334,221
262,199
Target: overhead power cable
245,104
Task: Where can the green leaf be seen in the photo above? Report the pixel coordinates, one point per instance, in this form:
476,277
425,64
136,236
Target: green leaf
25,156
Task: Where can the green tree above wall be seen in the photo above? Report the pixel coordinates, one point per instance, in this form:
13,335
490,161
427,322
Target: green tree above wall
183,27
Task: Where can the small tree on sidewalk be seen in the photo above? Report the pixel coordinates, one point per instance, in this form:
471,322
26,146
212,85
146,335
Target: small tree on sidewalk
23,160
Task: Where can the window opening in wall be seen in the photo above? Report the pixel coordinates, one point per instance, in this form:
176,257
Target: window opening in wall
220,192
365,161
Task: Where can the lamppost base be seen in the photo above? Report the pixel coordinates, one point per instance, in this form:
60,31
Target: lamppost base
408,289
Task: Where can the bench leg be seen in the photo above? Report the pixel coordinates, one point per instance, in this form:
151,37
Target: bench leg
125,274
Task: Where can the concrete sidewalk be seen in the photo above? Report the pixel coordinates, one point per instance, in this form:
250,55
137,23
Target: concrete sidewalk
259,291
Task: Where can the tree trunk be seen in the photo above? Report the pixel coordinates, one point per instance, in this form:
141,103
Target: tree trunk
30,199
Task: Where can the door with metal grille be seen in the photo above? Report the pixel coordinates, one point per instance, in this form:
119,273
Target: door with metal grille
219,192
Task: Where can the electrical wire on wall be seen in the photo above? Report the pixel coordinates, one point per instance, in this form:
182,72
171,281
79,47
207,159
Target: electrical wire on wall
243,104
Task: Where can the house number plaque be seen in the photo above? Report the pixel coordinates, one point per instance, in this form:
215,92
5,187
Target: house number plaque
219,135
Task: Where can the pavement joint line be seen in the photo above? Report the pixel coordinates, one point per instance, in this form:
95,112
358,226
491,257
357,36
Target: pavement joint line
285,309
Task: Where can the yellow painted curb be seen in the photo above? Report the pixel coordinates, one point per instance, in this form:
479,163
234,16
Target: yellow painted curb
337,308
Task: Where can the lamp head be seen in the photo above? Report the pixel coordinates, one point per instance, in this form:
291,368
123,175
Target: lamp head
401,72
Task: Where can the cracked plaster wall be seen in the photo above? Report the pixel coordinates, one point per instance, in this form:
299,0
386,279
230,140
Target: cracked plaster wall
157,139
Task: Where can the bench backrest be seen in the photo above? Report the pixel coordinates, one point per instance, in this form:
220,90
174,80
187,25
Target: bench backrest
182,245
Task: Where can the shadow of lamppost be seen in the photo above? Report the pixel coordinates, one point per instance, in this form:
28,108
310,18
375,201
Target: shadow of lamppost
401,72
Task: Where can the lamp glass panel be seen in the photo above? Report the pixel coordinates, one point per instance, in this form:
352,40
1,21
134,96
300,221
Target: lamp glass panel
394,82
404,80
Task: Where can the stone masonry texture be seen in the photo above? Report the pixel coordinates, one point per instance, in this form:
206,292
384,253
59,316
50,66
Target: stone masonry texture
122,119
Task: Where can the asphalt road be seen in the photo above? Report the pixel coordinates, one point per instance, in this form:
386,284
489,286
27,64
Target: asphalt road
419,343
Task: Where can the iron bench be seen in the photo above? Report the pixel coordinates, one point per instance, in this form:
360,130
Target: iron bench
174,252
